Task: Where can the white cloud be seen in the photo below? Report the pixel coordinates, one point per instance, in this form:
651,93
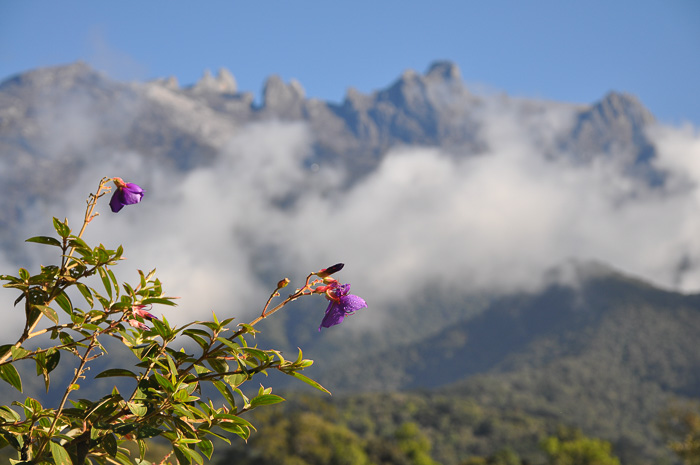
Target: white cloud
495,221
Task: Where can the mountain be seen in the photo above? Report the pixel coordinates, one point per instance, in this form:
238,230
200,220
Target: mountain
587,346
596,350
603,319
186,126
599,350
55,122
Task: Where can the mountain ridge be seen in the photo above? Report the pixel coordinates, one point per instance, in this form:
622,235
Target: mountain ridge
434,108
60,117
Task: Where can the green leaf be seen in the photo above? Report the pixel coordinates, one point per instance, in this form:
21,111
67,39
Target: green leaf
49,312
123,458
265,399
85,291
196,338
257,353
45,240
100,255
146,350
230,344
52,358
182,457
18,352
243,396
207,431
64,302
158,300
105,407
105,281
8,414
206,447
235,380
5,348
162,330
9,374
60,455
226,392
234,420
137,409
183,396
241,431
164,382
61,227
110,444
193,454
65,338
142,452
218,365
78,243
113,278
146,432
12,279
117,372
308,381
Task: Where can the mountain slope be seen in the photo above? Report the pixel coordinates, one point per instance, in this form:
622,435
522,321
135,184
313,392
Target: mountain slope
606,354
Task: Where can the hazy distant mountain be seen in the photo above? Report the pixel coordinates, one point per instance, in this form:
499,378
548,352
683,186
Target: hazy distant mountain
54,121
572,348
600,351
602,319
186,126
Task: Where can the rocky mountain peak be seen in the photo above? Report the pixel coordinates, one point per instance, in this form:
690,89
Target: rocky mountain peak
282,97
616,106
444,71
615,125
223,83
65,76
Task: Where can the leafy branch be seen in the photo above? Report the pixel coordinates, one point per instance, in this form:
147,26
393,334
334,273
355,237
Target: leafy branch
167,396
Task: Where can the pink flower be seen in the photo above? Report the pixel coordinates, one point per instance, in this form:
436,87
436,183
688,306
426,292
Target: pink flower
138,325
139,310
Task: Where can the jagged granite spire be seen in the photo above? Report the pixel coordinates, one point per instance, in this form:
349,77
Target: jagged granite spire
430,109
444,70
285,99
616,126
224,82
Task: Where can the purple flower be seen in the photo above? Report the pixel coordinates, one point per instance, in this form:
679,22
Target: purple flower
341,304
127,193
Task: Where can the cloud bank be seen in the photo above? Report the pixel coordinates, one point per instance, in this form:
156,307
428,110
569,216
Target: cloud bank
221,236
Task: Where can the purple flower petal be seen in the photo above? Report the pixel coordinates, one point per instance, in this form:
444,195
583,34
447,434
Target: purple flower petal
128,195
131,194
351,303
346,305
334,316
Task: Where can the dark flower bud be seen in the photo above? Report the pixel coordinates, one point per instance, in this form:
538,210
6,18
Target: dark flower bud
330,270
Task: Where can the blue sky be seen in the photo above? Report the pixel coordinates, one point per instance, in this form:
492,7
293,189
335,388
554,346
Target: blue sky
561,50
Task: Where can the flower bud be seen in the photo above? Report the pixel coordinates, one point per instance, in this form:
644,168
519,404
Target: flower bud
330,270
283,283
321,289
